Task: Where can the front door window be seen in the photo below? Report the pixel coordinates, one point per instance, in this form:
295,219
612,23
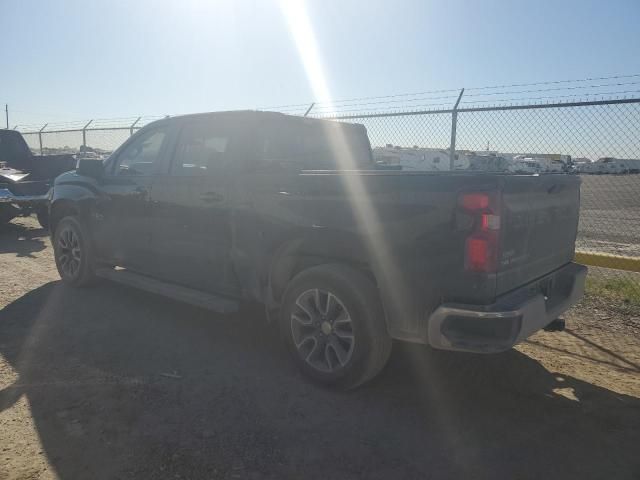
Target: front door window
139,157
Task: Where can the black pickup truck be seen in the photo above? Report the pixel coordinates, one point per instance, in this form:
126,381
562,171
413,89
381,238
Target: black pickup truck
25,178
222,208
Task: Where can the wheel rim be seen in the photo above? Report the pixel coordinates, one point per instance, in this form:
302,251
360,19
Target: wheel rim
69,252
322,330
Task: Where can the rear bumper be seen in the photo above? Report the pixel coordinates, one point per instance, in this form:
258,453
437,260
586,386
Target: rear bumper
6,196
511,319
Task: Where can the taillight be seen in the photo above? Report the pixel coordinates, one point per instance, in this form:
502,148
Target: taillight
474,201
481,246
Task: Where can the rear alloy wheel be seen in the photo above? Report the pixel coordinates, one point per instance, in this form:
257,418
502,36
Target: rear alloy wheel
333,323
322,330
73,253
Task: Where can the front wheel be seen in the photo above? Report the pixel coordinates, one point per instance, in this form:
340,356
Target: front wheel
73,253
333,324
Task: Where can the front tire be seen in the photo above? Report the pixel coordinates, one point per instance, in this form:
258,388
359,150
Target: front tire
73,252
334,326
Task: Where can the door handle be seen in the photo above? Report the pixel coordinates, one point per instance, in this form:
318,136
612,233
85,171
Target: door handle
212,197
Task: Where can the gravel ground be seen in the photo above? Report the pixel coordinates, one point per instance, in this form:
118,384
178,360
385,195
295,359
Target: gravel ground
113,383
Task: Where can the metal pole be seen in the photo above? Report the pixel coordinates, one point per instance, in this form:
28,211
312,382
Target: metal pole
309,109
6,112
84,135
40,136
133,125
454,125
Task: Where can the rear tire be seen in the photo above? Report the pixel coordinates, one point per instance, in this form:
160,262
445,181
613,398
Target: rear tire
74,253
333,324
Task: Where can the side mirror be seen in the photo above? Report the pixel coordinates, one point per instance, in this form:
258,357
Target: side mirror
90,167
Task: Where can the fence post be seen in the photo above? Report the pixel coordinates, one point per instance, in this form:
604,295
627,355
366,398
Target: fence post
454,125
40,137
133,125
84,135
309,109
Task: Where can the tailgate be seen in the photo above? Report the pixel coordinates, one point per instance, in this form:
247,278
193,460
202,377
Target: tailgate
539,226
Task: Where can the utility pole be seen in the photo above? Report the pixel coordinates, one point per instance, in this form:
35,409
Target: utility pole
6,113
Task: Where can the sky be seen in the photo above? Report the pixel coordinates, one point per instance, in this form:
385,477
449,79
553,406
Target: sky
69,60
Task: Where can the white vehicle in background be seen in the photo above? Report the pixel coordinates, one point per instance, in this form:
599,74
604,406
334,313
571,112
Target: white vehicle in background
524,165
590,168
633,165
627,165
551,165
88,154
606,165
581,164
487,162
418,159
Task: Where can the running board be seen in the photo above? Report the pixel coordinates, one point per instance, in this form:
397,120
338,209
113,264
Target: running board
170,290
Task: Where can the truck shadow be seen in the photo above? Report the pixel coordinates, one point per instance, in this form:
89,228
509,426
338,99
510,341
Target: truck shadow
22,241
122,384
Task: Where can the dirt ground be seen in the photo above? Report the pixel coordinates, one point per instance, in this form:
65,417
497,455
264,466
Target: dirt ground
110,383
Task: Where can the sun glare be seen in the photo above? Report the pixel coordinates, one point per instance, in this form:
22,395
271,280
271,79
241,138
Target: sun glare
299,25
361,203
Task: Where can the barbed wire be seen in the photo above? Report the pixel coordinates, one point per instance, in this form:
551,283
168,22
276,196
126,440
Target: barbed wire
487,87
625,92
400,101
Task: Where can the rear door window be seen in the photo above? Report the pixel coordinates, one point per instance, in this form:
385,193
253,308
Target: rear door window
315,145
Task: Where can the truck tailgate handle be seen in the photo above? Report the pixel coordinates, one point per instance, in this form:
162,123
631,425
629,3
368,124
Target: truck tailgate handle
212,197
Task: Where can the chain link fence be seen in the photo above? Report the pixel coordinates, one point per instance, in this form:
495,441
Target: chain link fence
98,136
599,140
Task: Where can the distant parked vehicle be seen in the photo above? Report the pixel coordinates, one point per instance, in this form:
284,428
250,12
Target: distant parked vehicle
606,165
553,166
486,162
621,165
523,165
419,159
25,178
91,155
